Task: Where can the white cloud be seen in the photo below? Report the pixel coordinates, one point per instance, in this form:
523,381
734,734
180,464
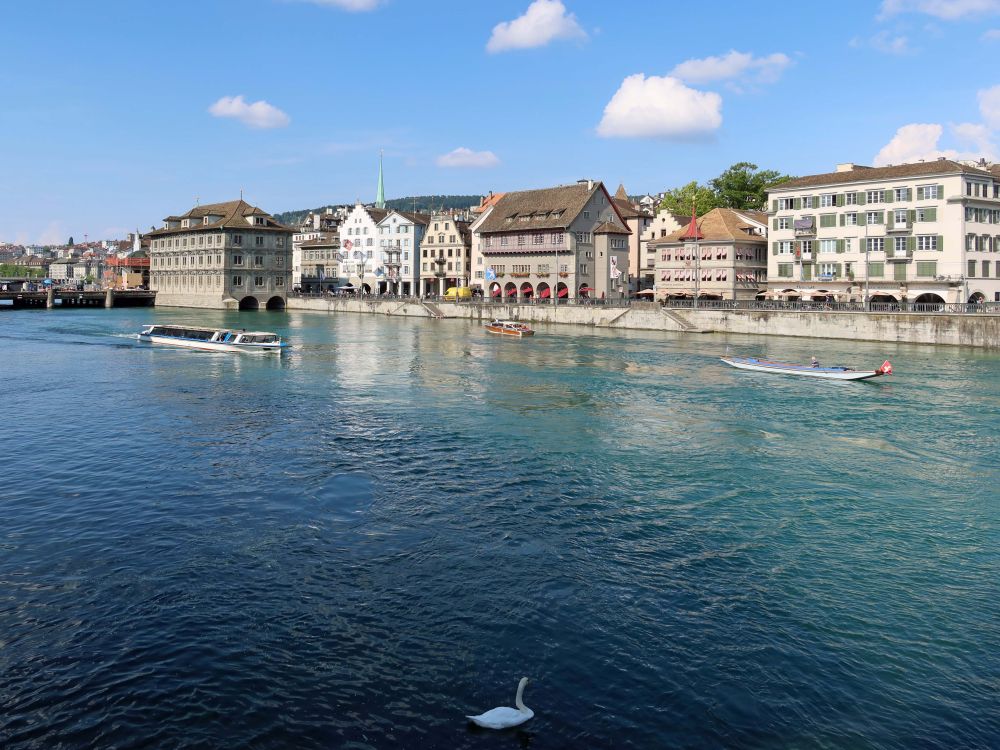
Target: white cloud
733,66
884,42
542,22
989,106
660,107
920,141
464,157
354,6
946,9
991,35
977,137
257,115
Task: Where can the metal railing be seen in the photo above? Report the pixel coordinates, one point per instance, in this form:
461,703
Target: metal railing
981,308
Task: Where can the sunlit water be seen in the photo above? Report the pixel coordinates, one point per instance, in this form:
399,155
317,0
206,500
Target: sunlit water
358,543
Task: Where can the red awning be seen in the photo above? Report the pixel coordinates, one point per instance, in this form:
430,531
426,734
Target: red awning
587,289
564,292
496,292
545,293
512,293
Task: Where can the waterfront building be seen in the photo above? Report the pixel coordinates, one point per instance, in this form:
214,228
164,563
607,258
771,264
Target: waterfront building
221,255
570,241
927,232
446,255
638,219
722,255
400,234
664,223
320,263
357,242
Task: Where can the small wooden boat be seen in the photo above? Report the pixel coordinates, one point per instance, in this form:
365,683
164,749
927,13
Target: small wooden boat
509,328
809,371
212,339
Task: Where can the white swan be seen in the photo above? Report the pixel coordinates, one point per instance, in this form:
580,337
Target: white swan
504,716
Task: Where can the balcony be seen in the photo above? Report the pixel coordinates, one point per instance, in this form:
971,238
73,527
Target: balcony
898,226
803,256
805,227
899,256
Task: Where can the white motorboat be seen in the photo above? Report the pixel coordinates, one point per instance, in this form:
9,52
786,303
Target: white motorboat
212,339
809,371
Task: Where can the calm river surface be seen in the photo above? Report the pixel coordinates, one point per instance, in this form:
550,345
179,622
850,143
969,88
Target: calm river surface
358,543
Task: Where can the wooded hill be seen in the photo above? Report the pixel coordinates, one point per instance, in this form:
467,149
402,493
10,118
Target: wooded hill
420,203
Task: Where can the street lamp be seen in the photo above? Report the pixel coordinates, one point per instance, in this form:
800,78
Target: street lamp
359,255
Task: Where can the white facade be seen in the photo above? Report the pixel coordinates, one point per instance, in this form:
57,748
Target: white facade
359,245
399,238
925,232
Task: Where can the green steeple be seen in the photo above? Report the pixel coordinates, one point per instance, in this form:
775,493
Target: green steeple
380,193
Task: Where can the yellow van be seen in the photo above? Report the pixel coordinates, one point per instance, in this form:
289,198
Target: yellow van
458,292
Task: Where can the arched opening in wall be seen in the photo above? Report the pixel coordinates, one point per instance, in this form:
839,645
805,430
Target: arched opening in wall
366,289
526,291
977,298
495,290
510,290
562,290
929,298
276,303
249,303
544,291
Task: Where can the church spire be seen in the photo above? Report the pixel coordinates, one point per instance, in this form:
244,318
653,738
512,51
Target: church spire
380,192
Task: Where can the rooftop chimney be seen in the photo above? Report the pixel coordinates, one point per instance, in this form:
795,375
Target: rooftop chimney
846,167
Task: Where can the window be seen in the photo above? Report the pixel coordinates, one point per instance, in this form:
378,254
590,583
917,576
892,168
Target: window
583,237
876,270
785,204
926,268
850,199
970,269
279,281
557,238
279,261
504,239
874,196
828,269
258,281
826,200
926,242
258,240
807,246
877,244
237,281
899,217
537,239
785,270
900,244
851,219
258,261
900,194
586,214
828,246
237,239
237,260
927,192
785,247
986,269
785,222
873,217
583,268
807,201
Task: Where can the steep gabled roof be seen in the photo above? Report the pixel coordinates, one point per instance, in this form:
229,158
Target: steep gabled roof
719,225
547,208
610,227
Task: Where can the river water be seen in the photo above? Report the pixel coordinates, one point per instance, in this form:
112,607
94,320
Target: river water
358,543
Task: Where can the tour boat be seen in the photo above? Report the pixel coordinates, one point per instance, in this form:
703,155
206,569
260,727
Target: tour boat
212,339
809,371
509,328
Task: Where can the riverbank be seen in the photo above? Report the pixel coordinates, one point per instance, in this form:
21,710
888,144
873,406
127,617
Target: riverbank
900,327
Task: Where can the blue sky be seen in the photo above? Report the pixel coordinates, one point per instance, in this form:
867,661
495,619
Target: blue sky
119,112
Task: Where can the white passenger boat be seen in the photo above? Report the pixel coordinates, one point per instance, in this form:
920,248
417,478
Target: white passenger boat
509,328
213,339
809,371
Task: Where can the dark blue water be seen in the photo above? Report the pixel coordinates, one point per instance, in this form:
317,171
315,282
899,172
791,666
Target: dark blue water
358,543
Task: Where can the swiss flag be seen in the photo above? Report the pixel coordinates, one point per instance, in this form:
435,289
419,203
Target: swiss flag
886,368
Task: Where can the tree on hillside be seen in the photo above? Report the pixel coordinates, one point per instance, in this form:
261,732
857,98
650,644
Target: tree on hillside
679,200
744,186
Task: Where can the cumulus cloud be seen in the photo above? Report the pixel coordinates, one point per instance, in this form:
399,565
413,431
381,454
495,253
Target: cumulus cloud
660,107
948,10
354,6
991,35
989,106
739,66
920,141
885,42
256,115
464,157
977,137
543,22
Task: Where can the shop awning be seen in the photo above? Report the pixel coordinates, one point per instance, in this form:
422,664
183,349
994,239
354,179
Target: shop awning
587,289
512,293
496,292
564,292
545,293
648,292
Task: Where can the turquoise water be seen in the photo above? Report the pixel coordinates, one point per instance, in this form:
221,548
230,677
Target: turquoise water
358,543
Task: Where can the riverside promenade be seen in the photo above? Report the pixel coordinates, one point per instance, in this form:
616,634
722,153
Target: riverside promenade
966,325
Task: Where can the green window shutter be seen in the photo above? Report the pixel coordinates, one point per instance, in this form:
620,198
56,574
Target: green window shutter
862,197
797,204
862,219
838,270
774,223
911,244
940,191
899,271
774,205
842,220
774,248
940,243
807,272
881,217
840,199
840,246
920,193
931,214
890,219
911,215
887,196
909,194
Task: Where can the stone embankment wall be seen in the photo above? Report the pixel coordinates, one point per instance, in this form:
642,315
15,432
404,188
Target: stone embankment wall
912,328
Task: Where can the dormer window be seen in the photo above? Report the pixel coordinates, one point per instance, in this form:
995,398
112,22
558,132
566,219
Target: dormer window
185,223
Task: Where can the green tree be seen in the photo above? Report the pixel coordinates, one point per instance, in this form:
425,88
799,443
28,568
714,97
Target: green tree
679,200
71,243
744,186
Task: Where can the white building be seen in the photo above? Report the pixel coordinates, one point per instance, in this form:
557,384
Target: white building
399,236
362,255
927,232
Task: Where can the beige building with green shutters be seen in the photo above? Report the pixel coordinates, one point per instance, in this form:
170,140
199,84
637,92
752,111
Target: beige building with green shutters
927,232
